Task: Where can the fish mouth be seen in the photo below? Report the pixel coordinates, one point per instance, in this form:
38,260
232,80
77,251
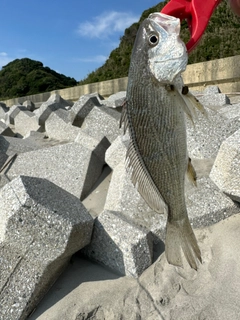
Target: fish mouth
169,57
169,23
172,48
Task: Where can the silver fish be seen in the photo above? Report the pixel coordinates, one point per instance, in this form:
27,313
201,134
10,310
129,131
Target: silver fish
154,114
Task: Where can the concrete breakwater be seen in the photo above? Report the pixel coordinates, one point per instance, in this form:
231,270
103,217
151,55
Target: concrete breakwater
222,72
65,190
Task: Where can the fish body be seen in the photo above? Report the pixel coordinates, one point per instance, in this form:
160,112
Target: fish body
154,113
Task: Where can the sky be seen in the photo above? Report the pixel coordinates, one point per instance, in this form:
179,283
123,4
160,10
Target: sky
72,37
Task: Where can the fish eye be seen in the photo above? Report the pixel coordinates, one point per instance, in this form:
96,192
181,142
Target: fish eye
153,39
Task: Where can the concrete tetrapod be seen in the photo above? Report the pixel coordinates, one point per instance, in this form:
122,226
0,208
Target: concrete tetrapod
41,226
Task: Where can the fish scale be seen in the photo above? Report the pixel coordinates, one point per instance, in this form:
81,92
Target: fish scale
154,115
163,139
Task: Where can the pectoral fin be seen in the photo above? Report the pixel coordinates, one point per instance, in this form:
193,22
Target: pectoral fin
190,98
182,102
189,103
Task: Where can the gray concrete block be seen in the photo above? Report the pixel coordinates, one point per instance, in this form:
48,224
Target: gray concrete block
122,196
96,95
226,169
116,99
55,102
230,111
3,105
206,136
58,126
39,140
207,205
215,100
83,106
196,93
12,113
102,122
44,112
29,105
6,130
120,245
3,110
26,121
41,226
33,141
71,166
38,104
65,115
3,158
116,153
56,98
99,146
35,136
4,143
202,167
211,90
95,200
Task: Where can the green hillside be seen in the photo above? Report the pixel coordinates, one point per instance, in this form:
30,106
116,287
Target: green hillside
221,39
23,77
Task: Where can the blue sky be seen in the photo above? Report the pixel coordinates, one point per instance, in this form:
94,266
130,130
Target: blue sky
73,37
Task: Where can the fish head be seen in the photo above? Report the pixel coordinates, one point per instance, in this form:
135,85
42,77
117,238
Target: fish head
159,46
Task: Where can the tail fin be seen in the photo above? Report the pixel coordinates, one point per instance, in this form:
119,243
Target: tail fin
179,236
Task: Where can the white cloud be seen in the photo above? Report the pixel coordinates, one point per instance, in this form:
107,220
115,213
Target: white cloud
4,59
106,24
97,59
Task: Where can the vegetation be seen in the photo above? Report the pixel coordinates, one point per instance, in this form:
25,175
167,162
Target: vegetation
221,39
23,77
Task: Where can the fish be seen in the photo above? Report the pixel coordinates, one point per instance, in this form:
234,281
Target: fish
154,112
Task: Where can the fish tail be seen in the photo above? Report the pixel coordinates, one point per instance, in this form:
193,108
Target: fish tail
180,236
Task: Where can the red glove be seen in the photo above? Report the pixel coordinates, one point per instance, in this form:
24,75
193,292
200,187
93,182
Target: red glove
196,12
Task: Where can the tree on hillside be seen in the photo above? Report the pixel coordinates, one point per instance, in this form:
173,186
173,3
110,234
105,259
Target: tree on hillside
221,39
23,77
